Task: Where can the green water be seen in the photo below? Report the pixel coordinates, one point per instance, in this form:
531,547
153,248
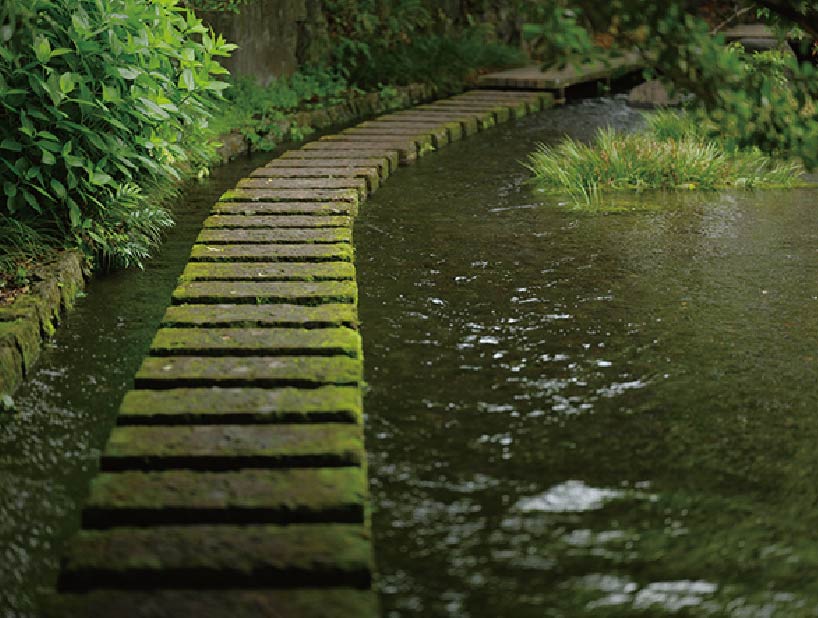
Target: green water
588,415
49,448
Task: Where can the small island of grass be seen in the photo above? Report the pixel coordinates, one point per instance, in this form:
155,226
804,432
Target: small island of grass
671,152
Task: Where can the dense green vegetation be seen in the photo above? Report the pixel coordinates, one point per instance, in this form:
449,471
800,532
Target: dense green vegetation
104,105
107,106
673,152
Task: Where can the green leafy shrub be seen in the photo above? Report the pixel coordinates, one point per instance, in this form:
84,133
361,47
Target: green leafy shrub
263,114
672,153
100,101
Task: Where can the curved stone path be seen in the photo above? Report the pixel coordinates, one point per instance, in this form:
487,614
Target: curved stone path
234,484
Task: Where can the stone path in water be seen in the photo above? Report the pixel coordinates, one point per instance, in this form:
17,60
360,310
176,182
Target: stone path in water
535,78
235,481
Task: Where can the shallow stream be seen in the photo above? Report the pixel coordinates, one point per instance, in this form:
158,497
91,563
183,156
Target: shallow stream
575,414
569,414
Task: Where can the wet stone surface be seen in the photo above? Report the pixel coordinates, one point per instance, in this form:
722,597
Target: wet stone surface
264,292
241,405
275,236
217,557
283,314
267,253
225,447
272,221
247,371
256,341
268,271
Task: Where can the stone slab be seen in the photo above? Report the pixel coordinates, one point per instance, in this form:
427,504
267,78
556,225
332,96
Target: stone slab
207,406
218,557
256,342
420,141
272,253
535,78
370,174
297,603
268,271
390,157
274,236
431,137
469,123
322,495
233,447
485,119
276,221
257,372
273,182
285,208
453,130
407,151
283,314
265,292
287,195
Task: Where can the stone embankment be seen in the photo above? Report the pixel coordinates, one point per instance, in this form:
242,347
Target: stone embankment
32,316
235,481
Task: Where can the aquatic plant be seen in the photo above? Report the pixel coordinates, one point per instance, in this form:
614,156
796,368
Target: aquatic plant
673,152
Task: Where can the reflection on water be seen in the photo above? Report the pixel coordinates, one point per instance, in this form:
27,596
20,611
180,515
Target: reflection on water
578,414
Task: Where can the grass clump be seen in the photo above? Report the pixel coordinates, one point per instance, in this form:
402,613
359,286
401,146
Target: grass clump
672,152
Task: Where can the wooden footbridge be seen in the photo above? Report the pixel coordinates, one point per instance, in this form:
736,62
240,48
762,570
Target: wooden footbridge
234,484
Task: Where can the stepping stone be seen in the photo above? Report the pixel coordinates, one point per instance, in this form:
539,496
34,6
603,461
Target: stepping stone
256,342
218,557
233,447
285,208
485,119
358,184
279,235
437,137
283,314
370,174
265,292
283,195
407,151
503,112
273,221
324,495
537,101
469,123
389,158
298,603
232,406
420,141
258,372
271,253
272,271
453,130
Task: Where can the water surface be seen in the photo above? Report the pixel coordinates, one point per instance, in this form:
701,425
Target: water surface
575,414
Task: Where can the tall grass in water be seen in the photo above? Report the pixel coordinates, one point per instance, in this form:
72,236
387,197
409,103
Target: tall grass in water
671,153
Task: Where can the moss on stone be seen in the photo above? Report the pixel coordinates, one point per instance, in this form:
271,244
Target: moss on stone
242,405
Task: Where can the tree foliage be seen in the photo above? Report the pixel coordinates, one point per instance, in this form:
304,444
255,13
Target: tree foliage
767,101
